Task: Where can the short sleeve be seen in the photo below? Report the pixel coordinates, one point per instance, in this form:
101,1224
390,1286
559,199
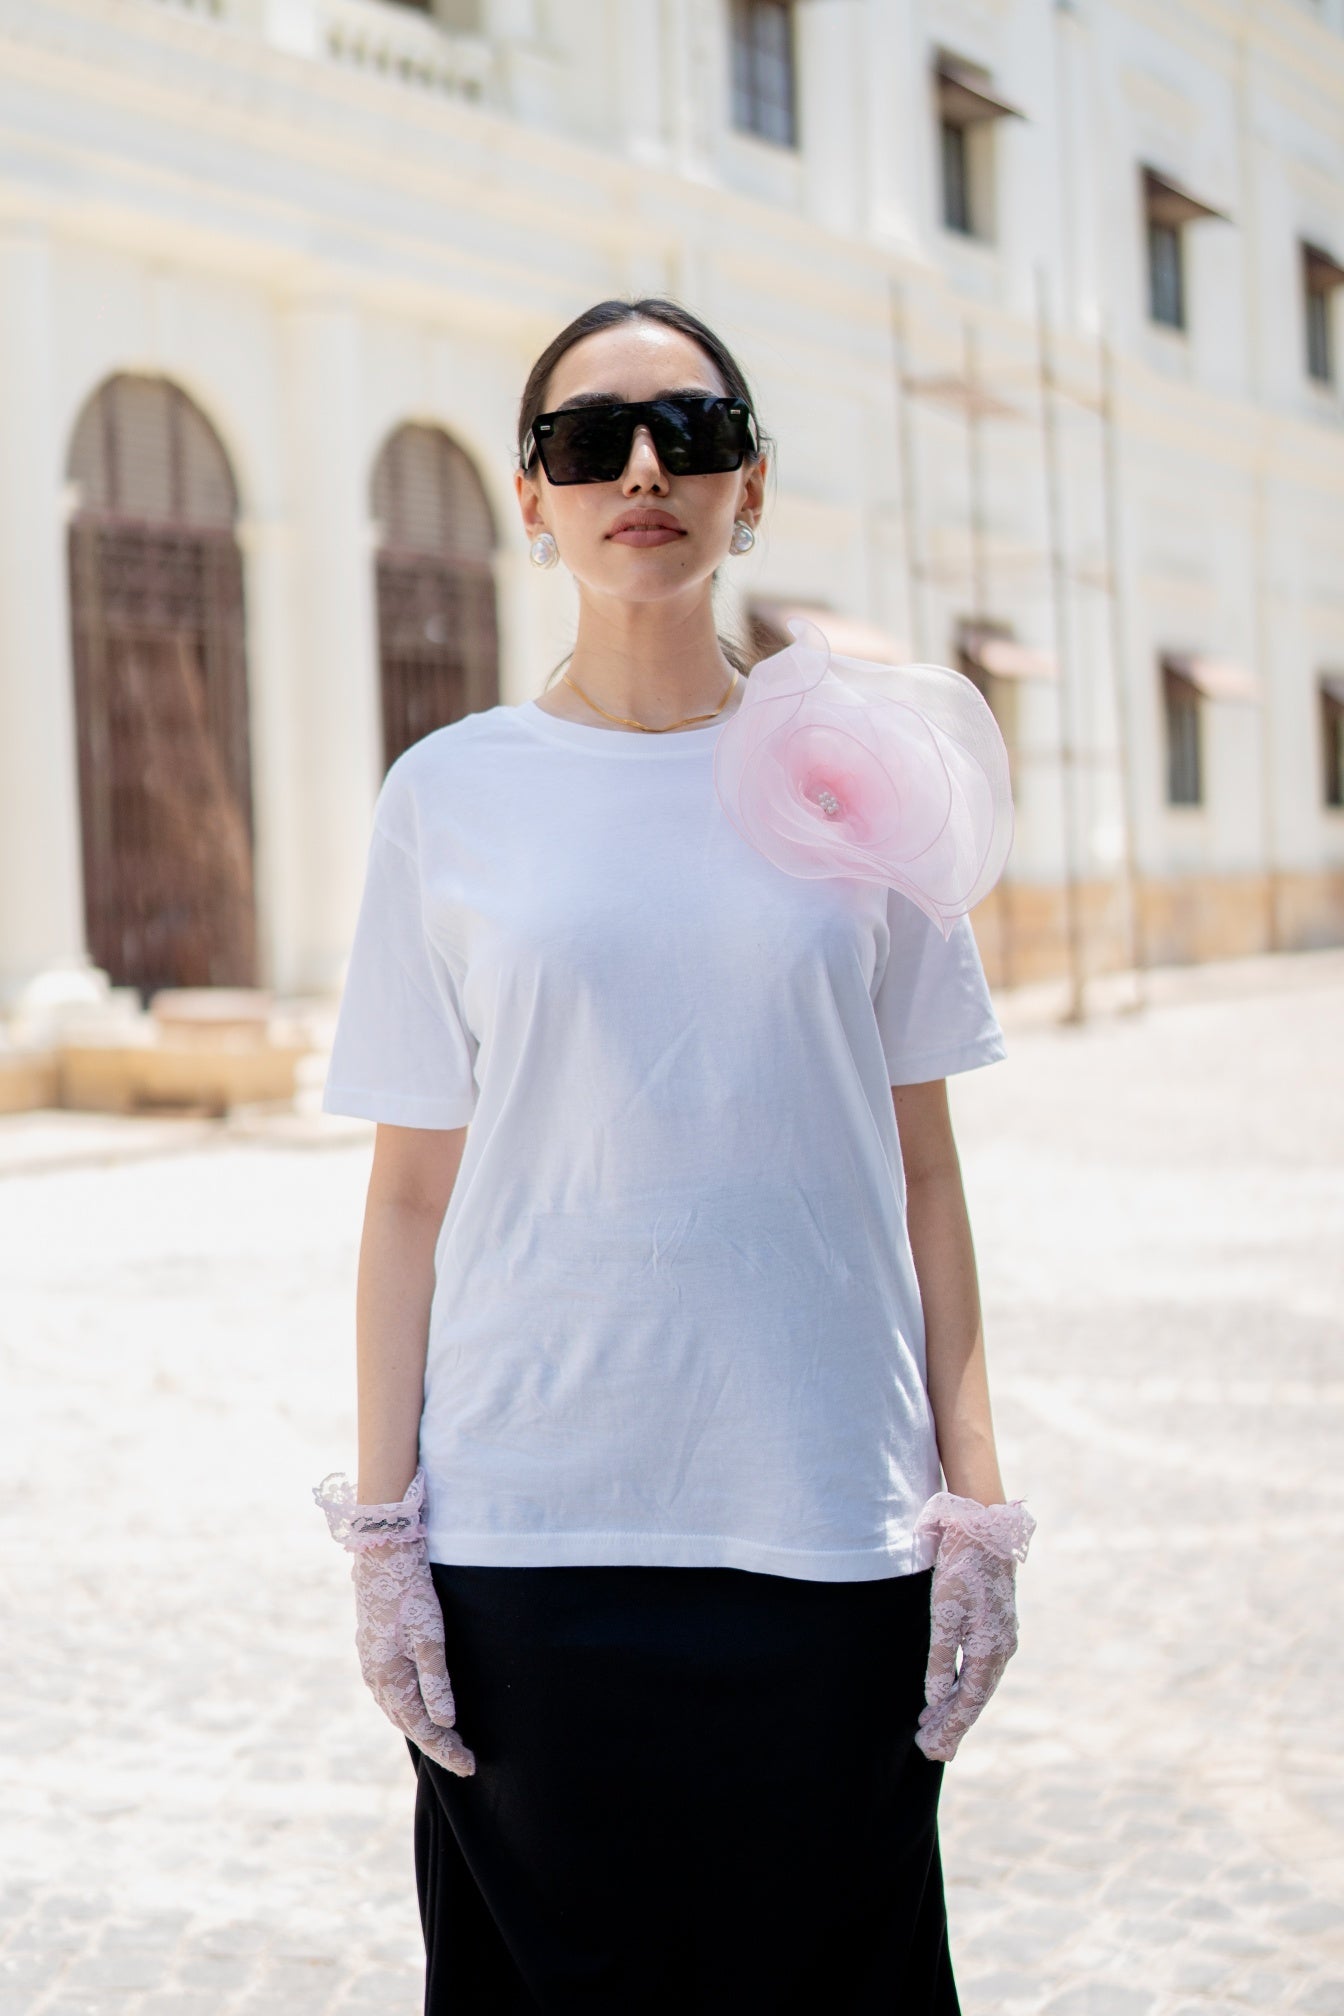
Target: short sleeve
933,1004
402,1051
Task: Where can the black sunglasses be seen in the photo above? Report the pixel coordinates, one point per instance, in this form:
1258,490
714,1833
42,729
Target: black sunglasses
591,444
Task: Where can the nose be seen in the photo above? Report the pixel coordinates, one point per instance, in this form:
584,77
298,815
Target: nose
643,470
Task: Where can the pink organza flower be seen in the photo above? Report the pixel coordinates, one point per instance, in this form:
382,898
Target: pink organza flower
893,773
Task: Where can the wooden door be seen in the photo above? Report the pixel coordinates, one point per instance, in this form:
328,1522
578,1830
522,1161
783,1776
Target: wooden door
161,699
438,643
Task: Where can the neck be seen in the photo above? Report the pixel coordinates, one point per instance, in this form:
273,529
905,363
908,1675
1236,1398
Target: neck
650,661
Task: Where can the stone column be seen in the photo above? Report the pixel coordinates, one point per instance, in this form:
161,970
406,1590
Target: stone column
693,90
831,110
328,738
43,957
273,633
894,95
642,84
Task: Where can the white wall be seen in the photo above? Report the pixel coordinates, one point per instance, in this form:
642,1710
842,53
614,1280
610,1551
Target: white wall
318,253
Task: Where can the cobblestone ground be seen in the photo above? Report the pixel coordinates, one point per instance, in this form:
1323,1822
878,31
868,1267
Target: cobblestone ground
206,1815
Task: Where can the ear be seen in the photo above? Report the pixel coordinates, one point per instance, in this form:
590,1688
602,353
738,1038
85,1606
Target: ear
751,495
528,492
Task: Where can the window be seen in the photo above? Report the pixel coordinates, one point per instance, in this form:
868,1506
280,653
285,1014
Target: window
1332,736
1320,276
994,660
1319,363
967,110
1166,293
1167,210
956,179
463,17
999,695
1180,698
763,70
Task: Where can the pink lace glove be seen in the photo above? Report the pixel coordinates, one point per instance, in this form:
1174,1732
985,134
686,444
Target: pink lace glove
398,1618
974,1606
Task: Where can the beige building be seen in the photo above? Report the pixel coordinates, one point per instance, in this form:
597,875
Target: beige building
1042,305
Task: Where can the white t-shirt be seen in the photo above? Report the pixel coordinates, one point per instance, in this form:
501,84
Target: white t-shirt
675,1316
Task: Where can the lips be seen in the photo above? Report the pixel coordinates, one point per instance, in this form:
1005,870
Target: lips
645,528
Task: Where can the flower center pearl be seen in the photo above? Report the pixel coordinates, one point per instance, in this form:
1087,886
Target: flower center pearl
828,801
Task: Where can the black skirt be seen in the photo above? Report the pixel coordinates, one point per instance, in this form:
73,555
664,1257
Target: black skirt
696,1790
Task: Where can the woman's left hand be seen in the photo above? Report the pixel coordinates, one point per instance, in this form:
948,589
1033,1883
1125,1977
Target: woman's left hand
973,1606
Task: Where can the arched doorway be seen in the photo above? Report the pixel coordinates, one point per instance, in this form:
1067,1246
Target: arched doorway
438,644
156,598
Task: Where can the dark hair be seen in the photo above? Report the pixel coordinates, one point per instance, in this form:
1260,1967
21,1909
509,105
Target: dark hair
648,308
608,315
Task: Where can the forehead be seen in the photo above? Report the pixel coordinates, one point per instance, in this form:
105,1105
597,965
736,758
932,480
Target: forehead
635,360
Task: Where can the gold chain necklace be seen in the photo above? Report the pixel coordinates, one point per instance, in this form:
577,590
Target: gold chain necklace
626,723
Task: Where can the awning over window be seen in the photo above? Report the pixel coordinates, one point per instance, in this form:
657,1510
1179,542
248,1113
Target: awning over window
991,651
964,94
1216,678
1323,272
1168,203
848,636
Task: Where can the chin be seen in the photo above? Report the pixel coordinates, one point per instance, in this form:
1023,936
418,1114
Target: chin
643,574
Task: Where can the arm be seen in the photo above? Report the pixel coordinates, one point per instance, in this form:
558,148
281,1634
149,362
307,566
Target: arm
414,1170
940,1239
399,1630
978,1535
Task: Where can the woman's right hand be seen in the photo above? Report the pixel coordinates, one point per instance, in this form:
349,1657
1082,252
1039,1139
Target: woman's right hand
398,1617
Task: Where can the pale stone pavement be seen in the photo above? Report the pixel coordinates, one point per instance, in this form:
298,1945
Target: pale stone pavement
205,1814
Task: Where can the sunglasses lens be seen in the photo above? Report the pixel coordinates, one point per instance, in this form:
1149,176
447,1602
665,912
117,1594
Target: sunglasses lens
698,437
693,437
586,444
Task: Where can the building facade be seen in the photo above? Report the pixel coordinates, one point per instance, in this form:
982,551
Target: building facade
1040,303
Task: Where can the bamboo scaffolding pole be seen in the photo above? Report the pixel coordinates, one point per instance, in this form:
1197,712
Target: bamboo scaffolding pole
1135,934
1068,774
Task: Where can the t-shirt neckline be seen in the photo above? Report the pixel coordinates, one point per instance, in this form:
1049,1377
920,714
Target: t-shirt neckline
623,742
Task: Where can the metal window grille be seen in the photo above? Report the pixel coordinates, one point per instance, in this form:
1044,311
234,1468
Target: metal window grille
1322,273
1181,706
764,81
1332,742
437,629
1320,360
956,178
158,634
1165,291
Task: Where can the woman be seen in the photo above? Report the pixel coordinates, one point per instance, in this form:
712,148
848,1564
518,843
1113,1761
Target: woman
667,1307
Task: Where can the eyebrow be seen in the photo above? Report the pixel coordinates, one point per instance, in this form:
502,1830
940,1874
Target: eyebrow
611,399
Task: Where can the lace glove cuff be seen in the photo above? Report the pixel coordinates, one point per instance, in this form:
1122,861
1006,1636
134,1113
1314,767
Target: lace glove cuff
358,1526
1004,1530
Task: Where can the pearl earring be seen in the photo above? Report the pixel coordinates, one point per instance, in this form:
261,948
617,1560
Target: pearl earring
743,538
543,552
